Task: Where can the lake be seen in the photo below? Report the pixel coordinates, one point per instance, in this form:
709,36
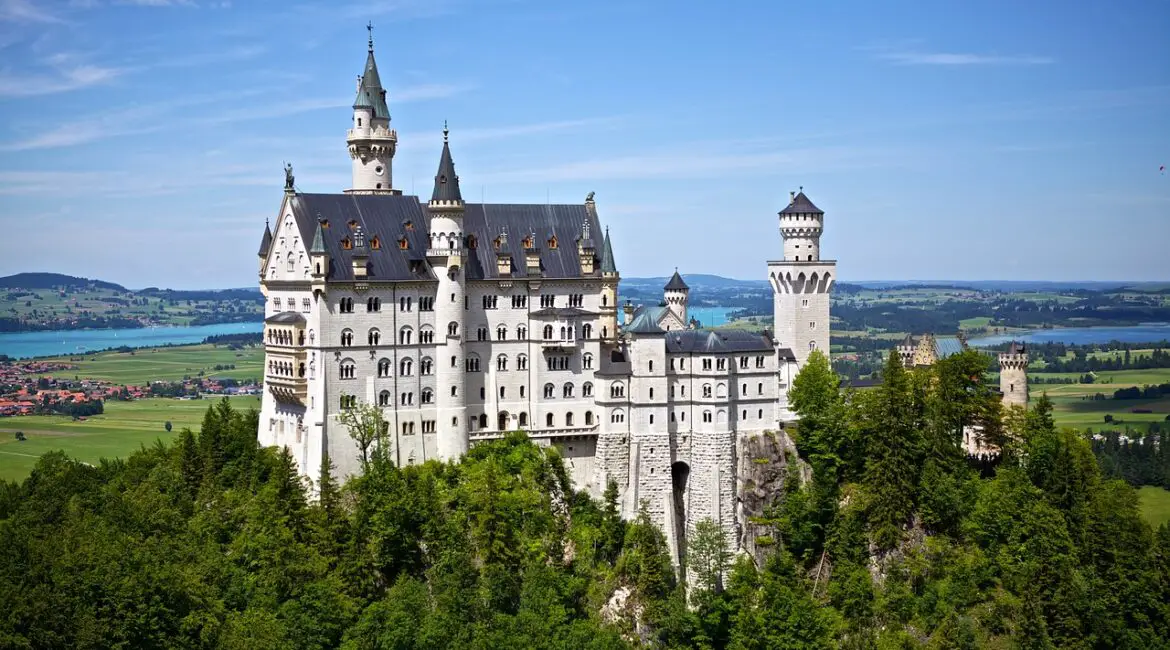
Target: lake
1145,333
22,345
707,316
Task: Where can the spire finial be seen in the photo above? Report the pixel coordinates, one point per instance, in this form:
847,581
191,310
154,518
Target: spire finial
802,189
370,29
445,131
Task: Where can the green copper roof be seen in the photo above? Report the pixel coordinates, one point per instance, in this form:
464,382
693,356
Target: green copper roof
266,241
318,241
607,265
370,93
446,181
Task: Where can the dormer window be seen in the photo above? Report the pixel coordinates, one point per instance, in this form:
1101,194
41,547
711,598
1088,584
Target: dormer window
552,242
375,243
409,225
442,179
352,223
527,242
403,243
472,242
346,244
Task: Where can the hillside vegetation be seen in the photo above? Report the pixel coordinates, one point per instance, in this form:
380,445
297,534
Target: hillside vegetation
896,542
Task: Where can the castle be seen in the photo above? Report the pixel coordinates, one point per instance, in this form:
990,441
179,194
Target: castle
466,321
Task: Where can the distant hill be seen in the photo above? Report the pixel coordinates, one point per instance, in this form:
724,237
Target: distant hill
695,280
52,280
208,294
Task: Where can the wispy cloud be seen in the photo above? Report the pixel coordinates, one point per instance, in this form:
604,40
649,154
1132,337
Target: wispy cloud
916,57
61,75
25,11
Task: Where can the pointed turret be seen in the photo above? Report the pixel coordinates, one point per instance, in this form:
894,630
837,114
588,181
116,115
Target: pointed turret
446,181
265,241
676,283
607,265
318,247
370,93
371,141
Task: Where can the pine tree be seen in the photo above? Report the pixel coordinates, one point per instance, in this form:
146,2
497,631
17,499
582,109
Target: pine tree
894,456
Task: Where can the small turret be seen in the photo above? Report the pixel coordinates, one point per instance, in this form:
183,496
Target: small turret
609,291
675,294
372,143
265,244
801,224
319,258
446,194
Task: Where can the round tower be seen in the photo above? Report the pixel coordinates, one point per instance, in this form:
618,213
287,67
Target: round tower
801,224
446,254
675,293
371,141
1013,375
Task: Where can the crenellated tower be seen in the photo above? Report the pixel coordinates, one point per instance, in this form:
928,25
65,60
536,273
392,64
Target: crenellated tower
446,253
371,141
801,282
1013,375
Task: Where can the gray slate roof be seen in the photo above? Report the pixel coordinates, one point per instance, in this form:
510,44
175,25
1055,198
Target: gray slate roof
1017,348
717,342
385,217
676,283
801,205
286,318
644,321
948,346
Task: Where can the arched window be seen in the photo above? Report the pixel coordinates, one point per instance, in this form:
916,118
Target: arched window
522,362
291,264
586,331
548,420
502,333
568,419
426,366
563,336
502,362
587,361
548,391
472,362
426,334
812,345
483,420
348,370
521,391
521,332
346,338
374,337
588,418
452,329
617,415
721,416
760,388
383,367
587,389
548,332
523,419
384,398
567,390
404,335
721,391
651,396
373,304
405,367
617,389
706,416
706,390
428,396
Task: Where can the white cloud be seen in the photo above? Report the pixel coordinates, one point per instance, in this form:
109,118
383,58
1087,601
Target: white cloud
913,57
25,11
61,79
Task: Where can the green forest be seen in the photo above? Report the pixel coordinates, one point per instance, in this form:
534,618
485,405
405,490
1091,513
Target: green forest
897,541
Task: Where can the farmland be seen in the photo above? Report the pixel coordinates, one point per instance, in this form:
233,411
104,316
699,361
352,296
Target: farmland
1155,505
145,365
123,428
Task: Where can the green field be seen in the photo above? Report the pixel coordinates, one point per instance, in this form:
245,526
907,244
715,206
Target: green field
1073,406
1155,505
52,304
139,367
122,429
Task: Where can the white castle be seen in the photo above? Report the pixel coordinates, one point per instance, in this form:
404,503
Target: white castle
465,321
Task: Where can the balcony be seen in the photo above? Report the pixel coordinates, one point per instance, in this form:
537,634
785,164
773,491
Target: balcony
567,345
554,432
372,134
445,252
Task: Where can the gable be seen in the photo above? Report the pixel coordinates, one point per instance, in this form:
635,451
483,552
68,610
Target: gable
288,254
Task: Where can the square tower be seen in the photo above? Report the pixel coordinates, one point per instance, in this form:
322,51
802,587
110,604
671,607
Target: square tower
801,282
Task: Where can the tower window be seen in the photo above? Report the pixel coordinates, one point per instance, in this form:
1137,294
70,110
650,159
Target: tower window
359,121
378,186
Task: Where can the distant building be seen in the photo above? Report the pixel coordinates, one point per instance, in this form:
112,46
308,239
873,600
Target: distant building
465,321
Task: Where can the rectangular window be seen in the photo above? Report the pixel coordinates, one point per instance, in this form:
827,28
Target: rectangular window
812,325
804,302
306,306
426,304
428,426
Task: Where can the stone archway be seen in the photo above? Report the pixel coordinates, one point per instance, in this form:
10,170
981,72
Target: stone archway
502,421
680,474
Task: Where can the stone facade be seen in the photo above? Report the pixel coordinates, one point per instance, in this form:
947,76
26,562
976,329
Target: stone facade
463,322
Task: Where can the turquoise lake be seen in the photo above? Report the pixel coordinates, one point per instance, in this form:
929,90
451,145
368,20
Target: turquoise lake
22,345
1146,333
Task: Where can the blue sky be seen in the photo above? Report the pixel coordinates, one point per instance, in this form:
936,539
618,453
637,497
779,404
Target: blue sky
142,141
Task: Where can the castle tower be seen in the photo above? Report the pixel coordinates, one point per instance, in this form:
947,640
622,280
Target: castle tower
1013,375
265,244
446,255
609,292
372,142
801,282
675,294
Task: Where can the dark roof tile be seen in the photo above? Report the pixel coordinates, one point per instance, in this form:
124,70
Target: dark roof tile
800,204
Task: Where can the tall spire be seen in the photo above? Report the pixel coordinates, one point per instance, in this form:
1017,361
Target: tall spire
446,181
266,240
607,264
370,93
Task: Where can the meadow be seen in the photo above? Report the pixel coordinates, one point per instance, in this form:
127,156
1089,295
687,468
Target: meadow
1155,505
122,429
141,366
1074,407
